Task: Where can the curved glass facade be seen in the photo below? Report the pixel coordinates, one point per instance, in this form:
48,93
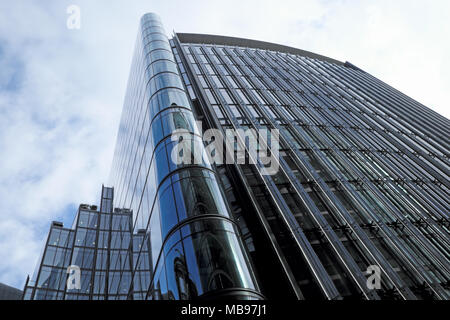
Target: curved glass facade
195,246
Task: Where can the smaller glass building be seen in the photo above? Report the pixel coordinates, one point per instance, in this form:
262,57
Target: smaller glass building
100,244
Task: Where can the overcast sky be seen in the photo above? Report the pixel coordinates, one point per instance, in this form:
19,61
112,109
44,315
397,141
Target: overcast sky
61,90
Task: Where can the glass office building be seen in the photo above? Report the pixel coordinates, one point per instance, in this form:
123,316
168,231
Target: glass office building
101,245
362,182
195,243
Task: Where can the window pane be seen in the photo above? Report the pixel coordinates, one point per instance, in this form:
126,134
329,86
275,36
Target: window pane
168,211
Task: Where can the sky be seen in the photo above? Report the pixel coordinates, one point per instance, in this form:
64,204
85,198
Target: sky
62,90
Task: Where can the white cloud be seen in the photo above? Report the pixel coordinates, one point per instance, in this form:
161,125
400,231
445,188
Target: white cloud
59,117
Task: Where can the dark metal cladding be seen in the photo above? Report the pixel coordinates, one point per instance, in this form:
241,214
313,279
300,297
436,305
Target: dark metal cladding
364,169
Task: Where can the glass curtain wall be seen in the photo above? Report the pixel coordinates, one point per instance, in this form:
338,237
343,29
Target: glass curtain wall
195,246
359,177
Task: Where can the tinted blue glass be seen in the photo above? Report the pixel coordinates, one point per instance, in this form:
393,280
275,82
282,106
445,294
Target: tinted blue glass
170,241
44,277
114,259
160,54
179,200
64,238
157,130
88,258
216,197
115,240
155,233
114,278
157,36
163,80
77,257
116,222
168,210
193,265
104,221
49,255
54,279
83,219
80,237
86,282
177,274
160,283
101,262
99,282
60,258
177,97
93,220
103,239
177,119
126,238
170,153
54,236
148,30
90,238
164,66
156,45
162,167
169,96
227,271
125,222
125,283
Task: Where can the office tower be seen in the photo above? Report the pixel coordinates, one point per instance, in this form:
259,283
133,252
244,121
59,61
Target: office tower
196,247
363,178
9,293
354,206
363,169
98,246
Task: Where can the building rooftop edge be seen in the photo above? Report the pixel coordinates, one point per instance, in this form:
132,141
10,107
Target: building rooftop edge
249,43
6,286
